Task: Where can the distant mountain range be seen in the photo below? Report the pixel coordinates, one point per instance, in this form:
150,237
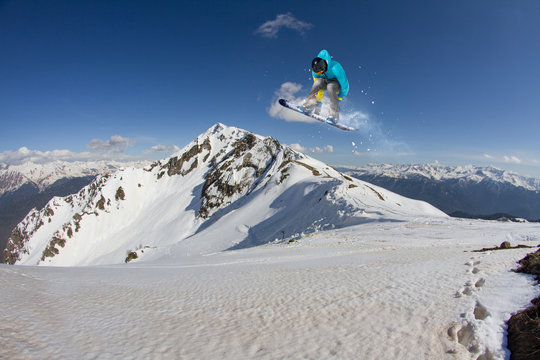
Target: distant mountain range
30,185
464,191
227,189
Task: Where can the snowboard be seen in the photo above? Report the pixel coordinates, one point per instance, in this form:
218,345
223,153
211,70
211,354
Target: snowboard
288,105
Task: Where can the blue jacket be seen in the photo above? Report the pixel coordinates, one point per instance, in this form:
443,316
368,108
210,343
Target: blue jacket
335,71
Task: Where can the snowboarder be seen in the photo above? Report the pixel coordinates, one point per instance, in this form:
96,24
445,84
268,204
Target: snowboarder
327,75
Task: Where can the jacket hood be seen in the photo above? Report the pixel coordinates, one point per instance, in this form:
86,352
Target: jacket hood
324,54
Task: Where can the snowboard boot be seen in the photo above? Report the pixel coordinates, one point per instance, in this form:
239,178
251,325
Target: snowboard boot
332,120
304,109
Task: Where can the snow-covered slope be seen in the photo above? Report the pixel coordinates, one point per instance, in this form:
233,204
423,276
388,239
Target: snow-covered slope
228,188
31,185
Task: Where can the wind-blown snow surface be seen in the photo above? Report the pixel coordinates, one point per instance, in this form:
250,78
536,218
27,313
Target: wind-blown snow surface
404,289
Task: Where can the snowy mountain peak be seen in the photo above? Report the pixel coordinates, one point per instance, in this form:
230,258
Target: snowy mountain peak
233,162
228,188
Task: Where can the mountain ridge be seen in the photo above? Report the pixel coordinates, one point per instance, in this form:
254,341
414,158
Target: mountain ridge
443,172
228,188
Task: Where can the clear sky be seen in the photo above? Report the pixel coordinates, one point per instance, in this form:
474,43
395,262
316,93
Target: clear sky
456,82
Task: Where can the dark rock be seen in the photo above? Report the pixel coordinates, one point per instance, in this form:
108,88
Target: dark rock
524,327
505,245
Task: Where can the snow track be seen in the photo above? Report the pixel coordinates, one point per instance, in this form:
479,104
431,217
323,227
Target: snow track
386,290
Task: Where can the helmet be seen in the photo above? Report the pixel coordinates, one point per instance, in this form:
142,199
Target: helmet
319,65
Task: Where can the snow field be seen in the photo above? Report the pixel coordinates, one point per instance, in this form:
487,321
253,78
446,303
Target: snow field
380,290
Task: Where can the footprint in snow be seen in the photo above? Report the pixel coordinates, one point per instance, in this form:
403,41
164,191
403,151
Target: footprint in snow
472,284
480,283
463,334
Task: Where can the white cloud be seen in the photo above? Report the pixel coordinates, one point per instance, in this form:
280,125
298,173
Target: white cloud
162,149
116,144
111,149
302,149
288,91
364,153
271,28
24,155
511,159
298,147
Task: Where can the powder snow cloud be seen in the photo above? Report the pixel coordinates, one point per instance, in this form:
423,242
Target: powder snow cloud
371,131
271,28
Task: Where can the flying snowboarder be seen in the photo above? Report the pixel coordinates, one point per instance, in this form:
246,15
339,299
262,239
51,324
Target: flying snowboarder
327,75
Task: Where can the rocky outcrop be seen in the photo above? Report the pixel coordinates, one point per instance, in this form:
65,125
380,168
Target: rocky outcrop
237,173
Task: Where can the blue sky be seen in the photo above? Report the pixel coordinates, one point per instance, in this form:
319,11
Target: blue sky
456,82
